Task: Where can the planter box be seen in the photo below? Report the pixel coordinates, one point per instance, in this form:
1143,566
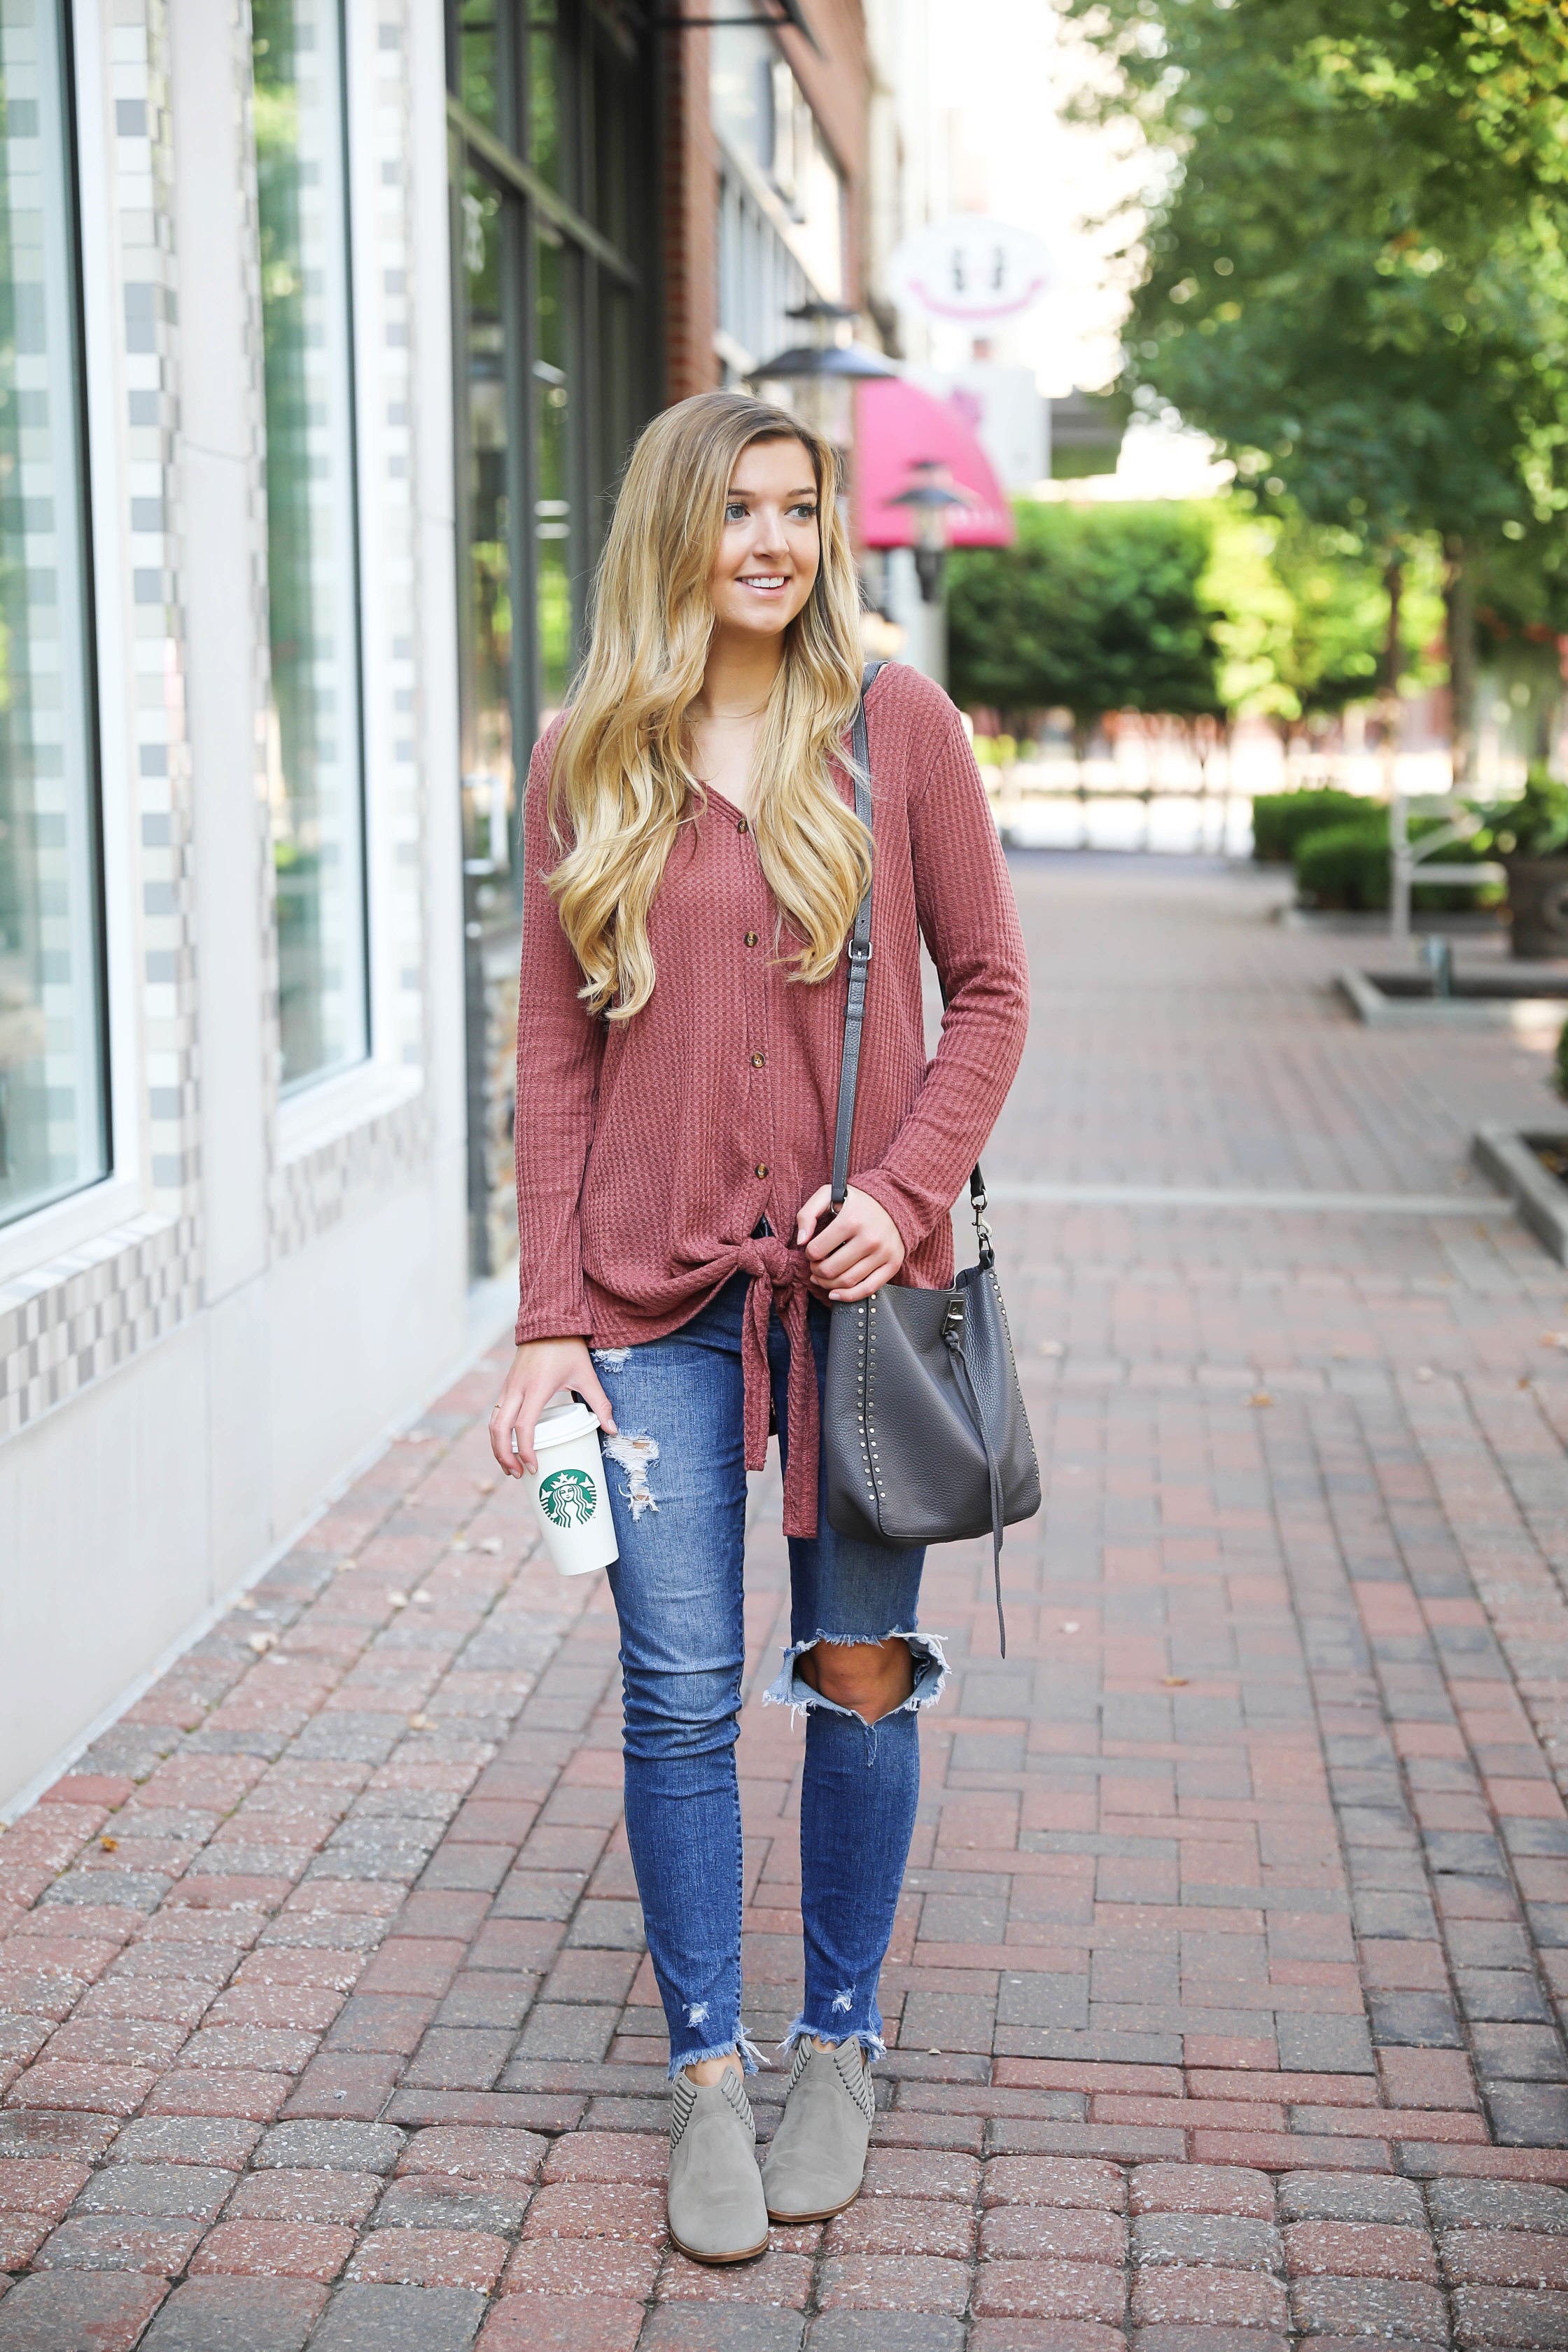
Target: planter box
1508,1157
1538,904
1501,999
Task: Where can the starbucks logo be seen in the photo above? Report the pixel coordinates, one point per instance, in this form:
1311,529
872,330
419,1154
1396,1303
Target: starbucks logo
567,1498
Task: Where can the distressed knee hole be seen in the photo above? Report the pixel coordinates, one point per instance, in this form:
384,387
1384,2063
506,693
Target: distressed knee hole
855,1674
610,1360
927,1656
634,1451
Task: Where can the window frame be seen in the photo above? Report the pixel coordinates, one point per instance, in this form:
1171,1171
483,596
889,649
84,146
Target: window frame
70,423
348,533
59,1228
317,1111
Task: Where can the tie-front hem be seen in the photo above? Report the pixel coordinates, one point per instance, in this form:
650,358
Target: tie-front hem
779,1283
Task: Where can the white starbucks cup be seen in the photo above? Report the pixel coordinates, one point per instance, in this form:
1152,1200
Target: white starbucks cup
570,1497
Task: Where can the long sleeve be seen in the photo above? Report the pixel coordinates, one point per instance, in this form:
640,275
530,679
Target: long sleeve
559,1048
969,920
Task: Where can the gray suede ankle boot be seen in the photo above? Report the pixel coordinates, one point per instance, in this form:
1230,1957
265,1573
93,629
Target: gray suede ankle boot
717,2210
817,2159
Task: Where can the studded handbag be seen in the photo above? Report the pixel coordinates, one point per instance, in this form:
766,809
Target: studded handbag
924,1434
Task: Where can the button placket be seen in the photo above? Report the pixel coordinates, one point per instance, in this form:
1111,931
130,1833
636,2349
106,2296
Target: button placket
758,992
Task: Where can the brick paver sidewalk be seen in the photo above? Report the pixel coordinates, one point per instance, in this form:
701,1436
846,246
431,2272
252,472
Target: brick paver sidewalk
1224,1989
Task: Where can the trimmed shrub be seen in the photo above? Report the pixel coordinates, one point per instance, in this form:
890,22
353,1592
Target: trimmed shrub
1345,866
1280,820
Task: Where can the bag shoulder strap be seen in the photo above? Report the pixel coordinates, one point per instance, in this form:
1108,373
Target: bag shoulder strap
859,955
855,1002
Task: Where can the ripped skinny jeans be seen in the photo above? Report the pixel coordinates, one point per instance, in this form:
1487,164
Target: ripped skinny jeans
677,1489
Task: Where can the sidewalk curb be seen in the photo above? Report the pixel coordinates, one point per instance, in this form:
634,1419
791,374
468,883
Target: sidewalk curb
1508,1155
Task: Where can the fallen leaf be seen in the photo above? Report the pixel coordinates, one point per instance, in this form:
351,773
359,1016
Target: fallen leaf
1175,1682
459,1543
262,1642
427,1599
490,1544
1260,1396
1072,1627
246,1601
1554,1339
397,1599
110,1845
421,1723
486,1486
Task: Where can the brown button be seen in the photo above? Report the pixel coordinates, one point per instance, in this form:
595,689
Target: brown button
743,826
758,1060
761,1167
750,939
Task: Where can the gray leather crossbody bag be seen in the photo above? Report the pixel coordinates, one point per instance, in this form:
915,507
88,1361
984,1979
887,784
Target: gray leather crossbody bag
923,1429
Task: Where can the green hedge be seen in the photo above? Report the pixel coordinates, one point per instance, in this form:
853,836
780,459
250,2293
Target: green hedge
1280,820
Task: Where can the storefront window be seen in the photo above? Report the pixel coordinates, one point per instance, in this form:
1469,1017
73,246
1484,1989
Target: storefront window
556,367
313,742
478,62
552,476
489,770
53,1128
544,109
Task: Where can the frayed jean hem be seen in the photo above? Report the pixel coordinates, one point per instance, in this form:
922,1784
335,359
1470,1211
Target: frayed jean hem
926,1652
739,2045
871,2042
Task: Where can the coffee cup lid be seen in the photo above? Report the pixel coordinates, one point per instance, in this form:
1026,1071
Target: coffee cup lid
562,1424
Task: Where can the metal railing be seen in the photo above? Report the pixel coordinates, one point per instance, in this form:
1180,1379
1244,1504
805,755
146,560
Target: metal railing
1407,855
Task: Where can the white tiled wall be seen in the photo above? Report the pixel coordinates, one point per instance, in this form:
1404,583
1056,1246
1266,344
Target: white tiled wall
190,1355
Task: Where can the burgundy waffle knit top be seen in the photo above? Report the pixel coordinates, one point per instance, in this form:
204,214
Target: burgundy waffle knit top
649,1150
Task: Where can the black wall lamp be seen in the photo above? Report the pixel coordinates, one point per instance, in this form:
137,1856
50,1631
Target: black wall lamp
930,503
826,356
791,17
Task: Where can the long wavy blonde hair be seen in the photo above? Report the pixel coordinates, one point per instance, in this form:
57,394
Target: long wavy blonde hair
623,783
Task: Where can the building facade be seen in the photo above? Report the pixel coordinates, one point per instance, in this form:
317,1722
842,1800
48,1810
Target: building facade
324,328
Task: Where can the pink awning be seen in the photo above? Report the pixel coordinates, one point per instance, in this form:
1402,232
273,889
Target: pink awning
897,428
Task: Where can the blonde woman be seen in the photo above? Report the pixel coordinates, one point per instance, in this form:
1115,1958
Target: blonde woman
694,863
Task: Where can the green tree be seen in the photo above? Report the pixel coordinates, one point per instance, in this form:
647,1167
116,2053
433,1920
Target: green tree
1094,609
1303,614
1356,281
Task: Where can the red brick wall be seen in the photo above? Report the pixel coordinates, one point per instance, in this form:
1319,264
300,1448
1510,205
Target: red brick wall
690,217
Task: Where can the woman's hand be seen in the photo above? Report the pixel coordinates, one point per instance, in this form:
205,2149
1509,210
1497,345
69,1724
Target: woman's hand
539,1368
857,1252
